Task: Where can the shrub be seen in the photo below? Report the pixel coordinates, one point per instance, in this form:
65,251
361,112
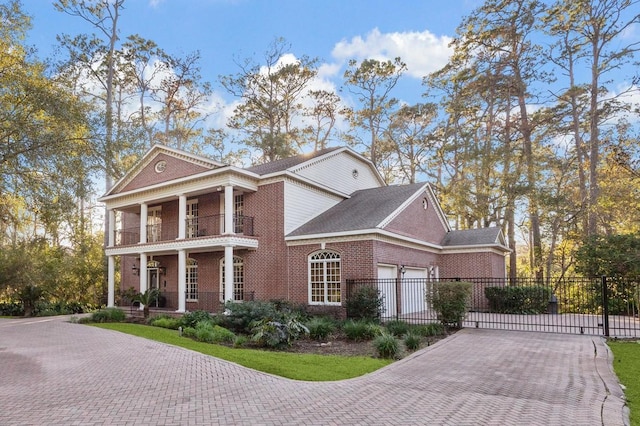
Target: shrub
386,345
320,327
239,317
206,332
365,303
432,329
518,300
449,300
166,322
190,319
275,334
397,328
287,307
412,341
108,315
239,341
361,330
189,332
12,309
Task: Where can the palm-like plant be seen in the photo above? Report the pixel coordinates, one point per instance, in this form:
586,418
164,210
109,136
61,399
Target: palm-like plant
146,299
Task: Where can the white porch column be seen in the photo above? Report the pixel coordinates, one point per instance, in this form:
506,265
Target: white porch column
182,281
182,216
228,210
112,227
111,281
143,227
228,273
143,272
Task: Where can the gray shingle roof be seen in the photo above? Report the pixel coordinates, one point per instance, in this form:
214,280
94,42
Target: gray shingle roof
472,237
286,163
364,210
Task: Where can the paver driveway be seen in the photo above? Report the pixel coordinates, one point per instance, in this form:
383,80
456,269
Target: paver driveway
54,372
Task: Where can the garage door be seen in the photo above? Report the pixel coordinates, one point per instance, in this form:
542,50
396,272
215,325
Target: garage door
413,292
386,287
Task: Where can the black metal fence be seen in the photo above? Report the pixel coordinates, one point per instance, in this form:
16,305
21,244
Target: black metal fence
601,306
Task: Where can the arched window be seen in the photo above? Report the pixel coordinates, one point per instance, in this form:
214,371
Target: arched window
324,278
192,279
238,279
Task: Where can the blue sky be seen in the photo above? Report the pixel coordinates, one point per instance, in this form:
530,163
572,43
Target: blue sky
333,30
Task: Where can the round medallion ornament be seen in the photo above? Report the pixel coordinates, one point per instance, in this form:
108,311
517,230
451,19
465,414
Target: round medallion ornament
161,166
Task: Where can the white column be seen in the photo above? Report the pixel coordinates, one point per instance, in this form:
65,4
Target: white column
228,273
143,225
112,227
143,272
182,281
228,210
182,216
111,282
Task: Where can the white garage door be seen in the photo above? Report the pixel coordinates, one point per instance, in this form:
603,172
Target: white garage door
413,293
387,288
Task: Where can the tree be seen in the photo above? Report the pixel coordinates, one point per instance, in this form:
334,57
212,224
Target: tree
591,33
270,100
410,134
372,81
611,255
44,155
323,113
496,63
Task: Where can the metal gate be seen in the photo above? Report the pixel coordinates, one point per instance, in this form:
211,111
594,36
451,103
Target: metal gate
597,306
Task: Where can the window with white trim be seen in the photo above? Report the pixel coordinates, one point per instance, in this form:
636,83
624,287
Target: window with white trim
192,279
324,278
238,279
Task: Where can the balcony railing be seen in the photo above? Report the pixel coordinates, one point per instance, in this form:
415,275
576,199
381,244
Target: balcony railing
204,226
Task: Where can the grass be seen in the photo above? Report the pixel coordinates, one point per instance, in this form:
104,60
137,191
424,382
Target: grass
626,364
308,367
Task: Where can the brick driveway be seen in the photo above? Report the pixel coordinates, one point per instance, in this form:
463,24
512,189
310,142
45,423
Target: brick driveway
54,372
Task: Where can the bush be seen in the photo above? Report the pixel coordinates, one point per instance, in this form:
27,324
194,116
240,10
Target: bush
397,328
190,319
320,327
286,307
432,329
239,317
12,309
361,330
387,346
412,341
108,315
239,341
206,332
166,322
449,300
366,303
518,300
275,334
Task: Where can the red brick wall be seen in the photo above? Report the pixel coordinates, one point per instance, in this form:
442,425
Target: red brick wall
474,265
266,267
176,168
416,222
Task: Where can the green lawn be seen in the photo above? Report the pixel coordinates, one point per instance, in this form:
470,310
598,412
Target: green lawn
293,366
626,364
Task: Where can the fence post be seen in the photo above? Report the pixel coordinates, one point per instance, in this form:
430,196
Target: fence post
605,306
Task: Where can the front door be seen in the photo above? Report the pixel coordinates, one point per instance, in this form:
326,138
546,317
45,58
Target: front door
153,281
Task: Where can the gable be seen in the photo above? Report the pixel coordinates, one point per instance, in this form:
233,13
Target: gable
162,164
340,170
420,219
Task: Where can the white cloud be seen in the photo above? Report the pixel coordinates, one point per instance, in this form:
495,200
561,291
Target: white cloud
423,52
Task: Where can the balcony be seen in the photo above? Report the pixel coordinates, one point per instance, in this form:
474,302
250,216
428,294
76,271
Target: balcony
205,226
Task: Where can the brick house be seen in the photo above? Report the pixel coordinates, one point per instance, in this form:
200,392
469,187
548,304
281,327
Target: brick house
293,229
